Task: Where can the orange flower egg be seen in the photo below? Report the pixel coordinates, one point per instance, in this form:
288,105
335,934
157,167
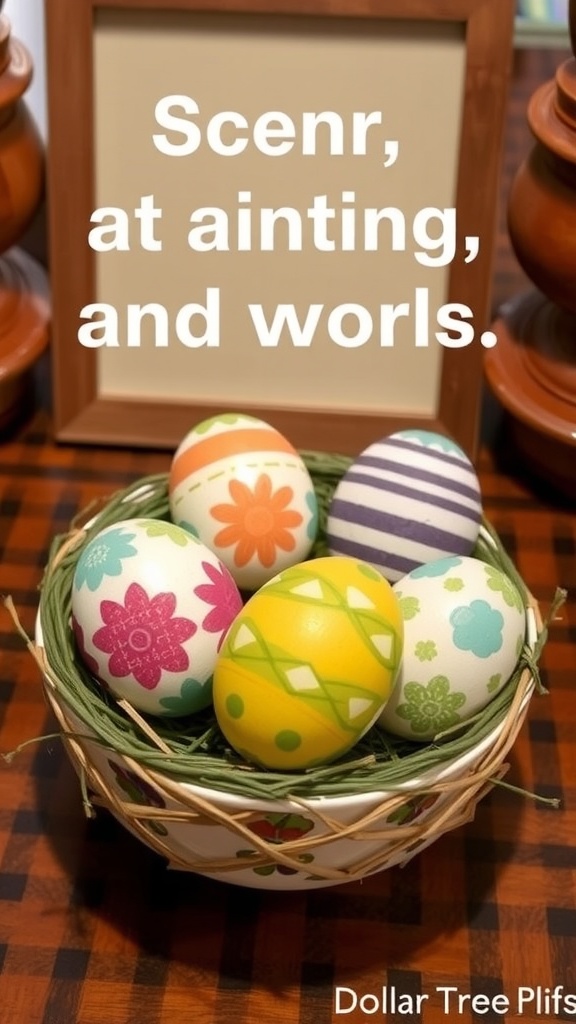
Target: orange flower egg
239,485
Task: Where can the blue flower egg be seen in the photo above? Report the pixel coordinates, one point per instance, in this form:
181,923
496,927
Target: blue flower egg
464,629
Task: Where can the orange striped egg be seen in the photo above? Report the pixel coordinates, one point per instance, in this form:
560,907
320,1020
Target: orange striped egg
244,491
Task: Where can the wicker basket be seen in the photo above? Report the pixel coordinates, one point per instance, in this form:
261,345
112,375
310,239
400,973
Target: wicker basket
181,790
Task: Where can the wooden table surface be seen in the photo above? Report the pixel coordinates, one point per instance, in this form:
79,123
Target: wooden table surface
94,930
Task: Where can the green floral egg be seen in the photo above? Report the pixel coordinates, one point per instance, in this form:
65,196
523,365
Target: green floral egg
464,628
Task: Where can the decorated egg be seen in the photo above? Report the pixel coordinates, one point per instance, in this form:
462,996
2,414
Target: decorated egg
150,607
464,629
308,664
408,499
242,488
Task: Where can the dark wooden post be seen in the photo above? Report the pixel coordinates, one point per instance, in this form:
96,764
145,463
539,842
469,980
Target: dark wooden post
24,309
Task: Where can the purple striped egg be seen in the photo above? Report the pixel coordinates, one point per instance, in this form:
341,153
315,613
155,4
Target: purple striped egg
406,500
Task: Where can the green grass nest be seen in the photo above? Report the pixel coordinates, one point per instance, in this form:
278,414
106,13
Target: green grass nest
194,749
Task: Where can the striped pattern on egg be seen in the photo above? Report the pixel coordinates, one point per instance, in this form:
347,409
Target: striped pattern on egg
406,500
240,486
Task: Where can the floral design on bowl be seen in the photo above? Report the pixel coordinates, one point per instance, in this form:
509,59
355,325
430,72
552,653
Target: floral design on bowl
277,829
412,809
139,792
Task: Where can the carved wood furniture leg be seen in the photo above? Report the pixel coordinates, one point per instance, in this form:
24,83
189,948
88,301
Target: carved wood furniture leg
532,369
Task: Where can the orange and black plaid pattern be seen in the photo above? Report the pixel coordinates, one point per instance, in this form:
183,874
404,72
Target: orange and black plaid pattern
95,930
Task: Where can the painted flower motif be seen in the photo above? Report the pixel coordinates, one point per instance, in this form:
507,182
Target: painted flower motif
409,607
228,418
142,637
159,528
222,593
312,528
438,567
269,869
493,683
281,828
500,583
477,627
453,584
258,521
194,696
412,809
426,650
432,440
276,829
431,708
103,557
139,792
190,528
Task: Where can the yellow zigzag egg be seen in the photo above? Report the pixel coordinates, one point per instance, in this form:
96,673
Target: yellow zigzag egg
308,664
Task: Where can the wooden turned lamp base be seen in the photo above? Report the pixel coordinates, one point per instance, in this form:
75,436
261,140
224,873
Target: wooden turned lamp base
532,368
532,371
24,329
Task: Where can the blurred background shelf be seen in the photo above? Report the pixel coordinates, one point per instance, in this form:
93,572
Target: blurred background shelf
542,23
541,33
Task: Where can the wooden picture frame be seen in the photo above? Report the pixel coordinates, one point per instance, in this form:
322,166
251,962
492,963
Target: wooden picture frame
84,412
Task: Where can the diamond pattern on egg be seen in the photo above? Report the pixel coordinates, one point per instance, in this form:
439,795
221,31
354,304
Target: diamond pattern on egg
308,663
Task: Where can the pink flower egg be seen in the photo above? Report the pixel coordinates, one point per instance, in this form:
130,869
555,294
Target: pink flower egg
151,605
